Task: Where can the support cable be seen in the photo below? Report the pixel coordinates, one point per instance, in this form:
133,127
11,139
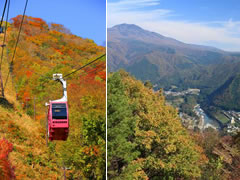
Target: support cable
19,32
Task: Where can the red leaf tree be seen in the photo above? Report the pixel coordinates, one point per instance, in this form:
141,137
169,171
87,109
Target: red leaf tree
6,170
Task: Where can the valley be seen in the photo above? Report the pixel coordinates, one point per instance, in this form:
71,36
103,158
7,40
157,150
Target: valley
195,118
189,74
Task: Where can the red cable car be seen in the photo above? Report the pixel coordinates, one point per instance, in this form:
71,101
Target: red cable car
58,122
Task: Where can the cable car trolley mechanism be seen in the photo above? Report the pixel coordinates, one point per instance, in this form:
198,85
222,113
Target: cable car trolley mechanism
57,116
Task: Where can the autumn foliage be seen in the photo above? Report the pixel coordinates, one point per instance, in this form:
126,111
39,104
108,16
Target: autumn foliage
6,169
146,139
45,49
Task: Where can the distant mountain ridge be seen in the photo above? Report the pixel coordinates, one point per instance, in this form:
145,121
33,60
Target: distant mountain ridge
135,32
165,61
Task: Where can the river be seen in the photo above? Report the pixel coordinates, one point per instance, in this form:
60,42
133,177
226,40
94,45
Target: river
207,121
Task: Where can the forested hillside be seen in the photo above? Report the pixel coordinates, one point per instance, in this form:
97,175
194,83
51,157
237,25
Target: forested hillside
166,62
227,96
45,49
147,141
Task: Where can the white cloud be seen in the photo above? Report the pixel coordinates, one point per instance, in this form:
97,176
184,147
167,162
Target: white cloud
125,5
221,34
197,33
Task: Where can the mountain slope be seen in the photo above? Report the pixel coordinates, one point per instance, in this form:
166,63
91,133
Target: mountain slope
45,49
30,158
166,61
227,96
145,137
184,65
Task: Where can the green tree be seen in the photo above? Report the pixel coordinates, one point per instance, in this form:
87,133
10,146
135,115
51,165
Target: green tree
167,151
121,128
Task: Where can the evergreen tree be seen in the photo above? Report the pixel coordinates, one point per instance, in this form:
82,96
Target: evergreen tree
121,128
166,149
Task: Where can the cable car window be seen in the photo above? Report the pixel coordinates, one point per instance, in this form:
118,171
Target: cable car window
59,111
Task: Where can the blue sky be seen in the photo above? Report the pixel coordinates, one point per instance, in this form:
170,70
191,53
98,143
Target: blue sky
85,18
205,22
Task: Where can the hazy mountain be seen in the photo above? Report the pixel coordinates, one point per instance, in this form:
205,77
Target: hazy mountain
166,61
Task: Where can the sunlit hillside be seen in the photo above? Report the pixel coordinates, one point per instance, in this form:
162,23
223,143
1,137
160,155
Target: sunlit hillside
146,139
45,49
